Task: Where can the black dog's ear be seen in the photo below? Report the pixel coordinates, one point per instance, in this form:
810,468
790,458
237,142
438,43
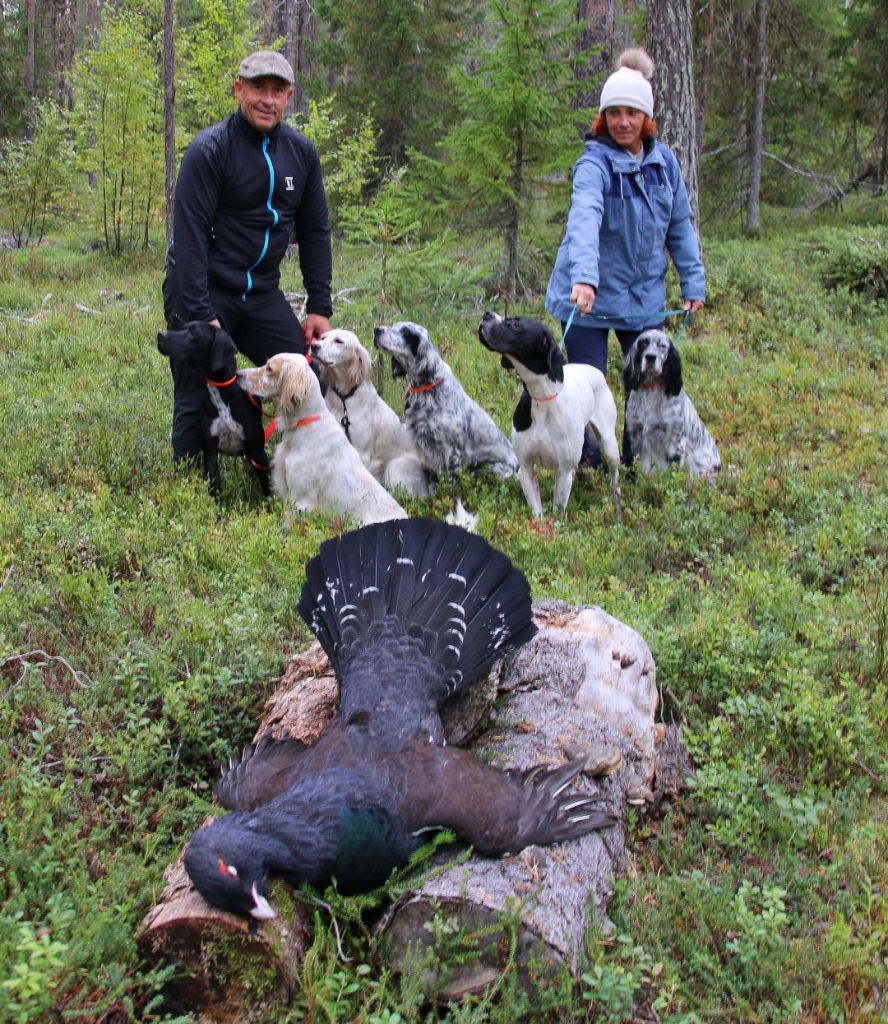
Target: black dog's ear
554,358
222,353
672,380
413,339
631,374
522,417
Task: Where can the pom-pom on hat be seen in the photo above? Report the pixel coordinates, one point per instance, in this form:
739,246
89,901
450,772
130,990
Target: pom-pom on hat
629,85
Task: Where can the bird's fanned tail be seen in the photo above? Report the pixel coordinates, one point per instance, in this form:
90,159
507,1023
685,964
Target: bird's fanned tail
434,580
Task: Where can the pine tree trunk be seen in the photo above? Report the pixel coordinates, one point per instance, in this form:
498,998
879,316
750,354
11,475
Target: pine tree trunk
882,174
29,59
670,44
756,134
297,28
705,76
169,112
514,217
597,19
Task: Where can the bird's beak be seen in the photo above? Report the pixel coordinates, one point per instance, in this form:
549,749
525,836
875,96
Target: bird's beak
262,909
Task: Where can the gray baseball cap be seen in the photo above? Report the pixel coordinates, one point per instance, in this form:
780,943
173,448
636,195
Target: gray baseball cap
266,62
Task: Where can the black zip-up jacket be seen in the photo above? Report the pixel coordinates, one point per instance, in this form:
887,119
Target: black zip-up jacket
241,195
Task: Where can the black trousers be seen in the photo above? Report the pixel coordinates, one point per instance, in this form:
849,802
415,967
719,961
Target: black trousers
260,327
589,345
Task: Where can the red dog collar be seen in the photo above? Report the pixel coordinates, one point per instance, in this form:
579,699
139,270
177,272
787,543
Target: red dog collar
427,387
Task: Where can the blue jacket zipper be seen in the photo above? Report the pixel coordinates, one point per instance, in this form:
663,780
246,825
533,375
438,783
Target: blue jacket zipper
274,215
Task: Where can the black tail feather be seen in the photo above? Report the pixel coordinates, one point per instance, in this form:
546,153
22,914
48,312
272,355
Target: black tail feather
448,584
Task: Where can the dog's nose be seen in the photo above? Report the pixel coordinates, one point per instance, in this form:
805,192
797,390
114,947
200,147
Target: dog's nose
377,332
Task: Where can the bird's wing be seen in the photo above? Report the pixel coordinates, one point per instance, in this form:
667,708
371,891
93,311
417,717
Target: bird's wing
263,771
498,812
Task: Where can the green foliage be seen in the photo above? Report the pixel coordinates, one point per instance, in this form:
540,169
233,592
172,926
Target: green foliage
120,113
215,37
29,989
406,262
143,626
516,121
398,54
859,265
348,157
37,181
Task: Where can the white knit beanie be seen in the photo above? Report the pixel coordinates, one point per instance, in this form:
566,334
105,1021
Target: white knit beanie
629,85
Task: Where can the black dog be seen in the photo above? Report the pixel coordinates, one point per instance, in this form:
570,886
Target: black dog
232,419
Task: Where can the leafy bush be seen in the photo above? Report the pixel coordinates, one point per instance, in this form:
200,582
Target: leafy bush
348,156
858,265
38,184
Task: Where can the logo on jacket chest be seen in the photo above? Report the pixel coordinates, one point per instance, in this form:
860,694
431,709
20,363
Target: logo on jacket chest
289,182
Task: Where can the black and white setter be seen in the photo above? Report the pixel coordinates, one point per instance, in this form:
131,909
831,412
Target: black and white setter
559,404
662,423
448,428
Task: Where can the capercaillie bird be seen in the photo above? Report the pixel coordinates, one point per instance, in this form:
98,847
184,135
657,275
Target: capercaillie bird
409,612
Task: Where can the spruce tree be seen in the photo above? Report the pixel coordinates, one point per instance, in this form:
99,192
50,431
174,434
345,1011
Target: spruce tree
518,122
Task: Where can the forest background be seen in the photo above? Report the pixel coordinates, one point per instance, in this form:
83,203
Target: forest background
142,624
444,112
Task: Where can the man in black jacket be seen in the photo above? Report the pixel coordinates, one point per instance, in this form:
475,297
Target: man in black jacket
246,187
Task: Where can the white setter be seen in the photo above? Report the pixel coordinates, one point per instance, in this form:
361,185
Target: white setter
663,425
381,438
559,404
448,428
314,466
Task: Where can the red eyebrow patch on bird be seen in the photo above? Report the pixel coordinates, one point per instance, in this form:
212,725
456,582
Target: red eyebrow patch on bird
224,869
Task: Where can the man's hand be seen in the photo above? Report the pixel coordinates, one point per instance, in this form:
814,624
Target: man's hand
693,305
583,296
314,326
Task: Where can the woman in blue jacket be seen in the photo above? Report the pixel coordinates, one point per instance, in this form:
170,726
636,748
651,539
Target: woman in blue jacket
629,213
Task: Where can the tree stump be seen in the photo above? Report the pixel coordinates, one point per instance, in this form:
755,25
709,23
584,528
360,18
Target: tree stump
585,685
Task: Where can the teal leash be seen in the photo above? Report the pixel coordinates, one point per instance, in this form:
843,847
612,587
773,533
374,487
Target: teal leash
686,319
640,316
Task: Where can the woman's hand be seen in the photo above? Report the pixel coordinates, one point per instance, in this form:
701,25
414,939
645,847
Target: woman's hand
693,305
583,297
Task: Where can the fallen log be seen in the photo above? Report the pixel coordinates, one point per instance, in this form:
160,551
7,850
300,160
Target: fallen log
225,964
586,684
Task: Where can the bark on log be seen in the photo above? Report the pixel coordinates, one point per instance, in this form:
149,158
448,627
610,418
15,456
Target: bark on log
585,684
219,956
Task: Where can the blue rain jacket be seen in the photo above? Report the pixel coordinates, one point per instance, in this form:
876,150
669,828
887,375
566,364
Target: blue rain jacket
627,216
